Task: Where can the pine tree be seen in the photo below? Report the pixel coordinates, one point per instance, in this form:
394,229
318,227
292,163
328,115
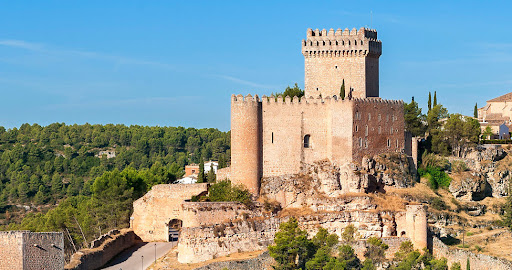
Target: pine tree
211,176
200,175
342,90
435,98
475,111
429,101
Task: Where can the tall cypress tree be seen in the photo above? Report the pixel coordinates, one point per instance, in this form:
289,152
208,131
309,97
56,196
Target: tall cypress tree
429,101
435,98
475,111
342,90
200,175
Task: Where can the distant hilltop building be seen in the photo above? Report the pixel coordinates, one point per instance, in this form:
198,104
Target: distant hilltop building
497,114
271,136
107,153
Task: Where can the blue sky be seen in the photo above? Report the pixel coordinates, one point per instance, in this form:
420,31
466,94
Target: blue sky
176,63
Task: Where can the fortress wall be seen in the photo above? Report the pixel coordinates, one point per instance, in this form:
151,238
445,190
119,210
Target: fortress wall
224,173
31,250
246,152
11,250
326,73
331,57
207,213
203,243
160,205
476,261
96,258
391,123
285,123
43,250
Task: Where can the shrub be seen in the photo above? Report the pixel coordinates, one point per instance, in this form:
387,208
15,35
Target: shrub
459,166
224,191
438,204
436,177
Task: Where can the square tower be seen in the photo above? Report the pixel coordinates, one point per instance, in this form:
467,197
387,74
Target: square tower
349,56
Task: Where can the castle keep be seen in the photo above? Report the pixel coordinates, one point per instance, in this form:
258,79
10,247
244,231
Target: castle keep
271,136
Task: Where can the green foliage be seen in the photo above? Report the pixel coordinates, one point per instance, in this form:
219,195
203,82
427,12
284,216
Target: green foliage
468,267
436,177
291,247
407,258
461,133
375,250
224,191
291,92
429,101
211,176
414,119
349,234
456,266
438,204
488,133
109,205
459,166
368,264
475,111
434,161
506,218
435,99
342,90
200,175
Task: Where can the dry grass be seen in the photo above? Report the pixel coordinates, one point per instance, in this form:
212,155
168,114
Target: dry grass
170,260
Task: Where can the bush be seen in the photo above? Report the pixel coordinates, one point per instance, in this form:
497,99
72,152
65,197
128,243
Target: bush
438,204
436,177
224,191
459,166
431,160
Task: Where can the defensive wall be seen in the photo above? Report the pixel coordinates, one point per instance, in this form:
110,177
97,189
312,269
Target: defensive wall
332,57
273,136
197,214
207,242
31,250
153,212
476,261
96,258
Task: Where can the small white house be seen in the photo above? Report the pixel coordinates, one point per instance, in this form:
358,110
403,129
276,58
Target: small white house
186,180
208,165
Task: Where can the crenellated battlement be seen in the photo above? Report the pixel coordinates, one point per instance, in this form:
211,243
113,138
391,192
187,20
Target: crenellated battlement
341,43
273,100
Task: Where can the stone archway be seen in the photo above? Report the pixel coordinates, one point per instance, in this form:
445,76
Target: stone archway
174,228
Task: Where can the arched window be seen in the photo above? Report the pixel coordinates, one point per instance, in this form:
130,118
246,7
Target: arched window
272,137
366,130
369,117
389,142
360,142
379,130
307,141
380,117
391,130
356,128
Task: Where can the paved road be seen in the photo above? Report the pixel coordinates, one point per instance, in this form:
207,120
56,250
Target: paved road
131,259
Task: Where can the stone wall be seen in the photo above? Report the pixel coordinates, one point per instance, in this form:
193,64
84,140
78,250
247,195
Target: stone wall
476,261
224,173
203,243
95,258
158,207
197,214
11,254
333,56
30,250
261,262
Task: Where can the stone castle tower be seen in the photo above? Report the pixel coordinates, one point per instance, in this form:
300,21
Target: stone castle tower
333,57
272,136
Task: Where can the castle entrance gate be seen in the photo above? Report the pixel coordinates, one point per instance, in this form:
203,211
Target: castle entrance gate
174,228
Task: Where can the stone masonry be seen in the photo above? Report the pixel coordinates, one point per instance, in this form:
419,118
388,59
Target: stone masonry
31,250
272,136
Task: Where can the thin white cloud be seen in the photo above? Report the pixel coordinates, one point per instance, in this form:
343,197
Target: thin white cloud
21,44
79,53
245,82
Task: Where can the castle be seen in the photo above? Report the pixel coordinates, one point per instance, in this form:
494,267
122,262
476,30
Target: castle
271,136
322,153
